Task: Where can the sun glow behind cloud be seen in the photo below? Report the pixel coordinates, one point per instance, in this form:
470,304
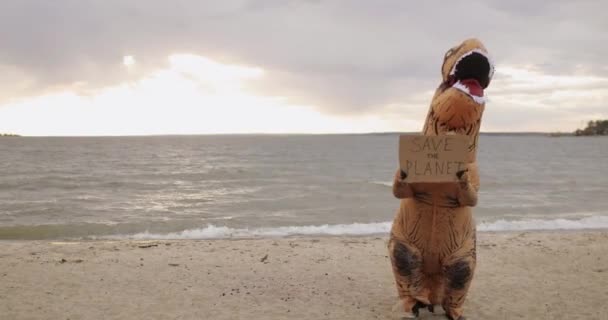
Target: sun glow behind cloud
128,61
194,95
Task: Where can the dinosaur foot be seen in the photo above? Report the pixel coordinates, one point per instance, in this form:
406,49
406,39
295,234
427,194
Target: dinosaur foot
416,309
452,318
414,312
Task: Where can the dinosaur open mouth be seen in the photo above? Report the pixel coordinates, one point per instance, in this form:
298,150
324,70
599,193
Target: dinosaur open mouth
471,74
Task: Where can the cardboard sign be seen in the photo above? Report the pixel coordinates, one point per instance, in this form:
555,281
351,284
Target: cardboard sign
433,158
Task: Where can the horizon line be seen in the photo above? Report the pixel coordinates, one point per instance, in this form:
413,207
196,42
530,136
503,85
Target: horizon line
283,134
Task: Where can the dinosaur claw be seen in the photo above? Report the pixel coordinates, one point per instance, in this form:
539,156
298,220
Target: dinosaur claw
416,308
460,173
401,188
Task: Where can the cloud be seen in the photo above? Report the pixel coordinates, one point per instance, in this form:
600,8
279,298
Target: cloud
342,57
525,100
193,95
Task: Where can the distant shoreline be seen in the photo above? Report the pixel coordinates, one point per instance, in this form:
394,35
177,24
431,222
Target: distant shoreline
506,134
524,133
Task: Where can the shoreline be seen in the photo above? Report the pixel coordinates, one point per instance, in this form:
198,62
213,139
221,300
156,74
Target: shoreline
586,223
287,237
522,274
298,237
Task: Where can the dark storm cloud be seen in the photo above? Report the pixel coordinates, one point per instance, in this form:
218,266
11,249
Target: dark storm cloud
342,56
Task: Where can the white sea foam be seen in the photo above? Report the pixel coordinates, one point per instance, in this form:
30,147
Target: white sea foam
221,232
383,183
593,222
214,232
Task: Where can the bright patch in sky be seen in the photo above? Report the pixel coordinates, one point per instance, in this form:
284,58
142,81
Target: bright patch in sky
196,95
128,61
193,95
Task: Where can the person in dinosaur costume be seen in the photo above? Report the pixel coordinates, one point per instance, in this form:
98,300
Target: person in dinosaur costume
432,241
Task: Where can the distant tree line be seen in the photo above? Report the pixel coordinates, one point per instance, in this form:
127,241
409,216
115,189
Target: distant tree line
8,135
594,128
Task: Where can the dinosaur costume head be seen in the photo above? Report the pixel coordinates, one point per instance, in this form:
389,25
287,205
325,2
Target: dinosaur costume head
459,101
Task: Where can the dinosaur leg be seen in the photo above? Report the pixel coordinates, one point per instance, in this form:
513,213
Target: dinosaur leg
458,270
407,262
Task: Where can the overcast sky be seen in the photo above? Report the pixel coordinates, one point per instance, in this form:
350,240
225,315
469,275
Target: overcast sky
80,67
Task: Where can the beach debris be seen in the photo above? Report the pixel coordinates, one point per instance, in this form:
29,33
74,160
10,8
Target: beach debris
63,260
264,259
174,264
144,246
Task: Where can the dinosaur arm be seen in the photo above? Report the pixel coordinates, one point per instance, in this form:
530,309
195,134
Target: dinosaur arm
401,189
467,188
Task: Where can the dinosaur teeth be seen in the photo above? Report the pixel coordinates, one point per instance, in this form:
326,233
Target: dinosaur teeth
462,87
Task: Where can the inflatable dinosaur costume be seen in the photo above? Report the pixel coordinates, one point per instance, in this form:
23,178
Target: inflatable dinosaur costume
432,241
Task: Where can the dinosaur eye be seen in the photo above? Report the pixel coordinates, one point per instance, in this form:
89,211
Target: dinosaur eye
449,53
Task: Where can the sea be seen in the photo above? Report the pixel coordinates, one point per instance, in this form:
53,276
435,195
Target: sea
248,186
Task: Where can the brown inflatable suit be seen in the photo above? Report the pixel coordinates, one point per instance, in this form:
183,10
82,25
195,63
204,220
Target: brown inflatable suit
432,241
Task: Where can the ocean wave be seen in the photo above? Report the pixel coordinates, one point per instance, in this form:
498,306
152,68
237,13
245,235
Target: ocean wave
216,232
356,229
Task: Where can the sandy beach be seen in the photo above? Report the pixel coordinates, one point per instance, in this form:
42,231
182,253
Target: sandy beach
524,275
